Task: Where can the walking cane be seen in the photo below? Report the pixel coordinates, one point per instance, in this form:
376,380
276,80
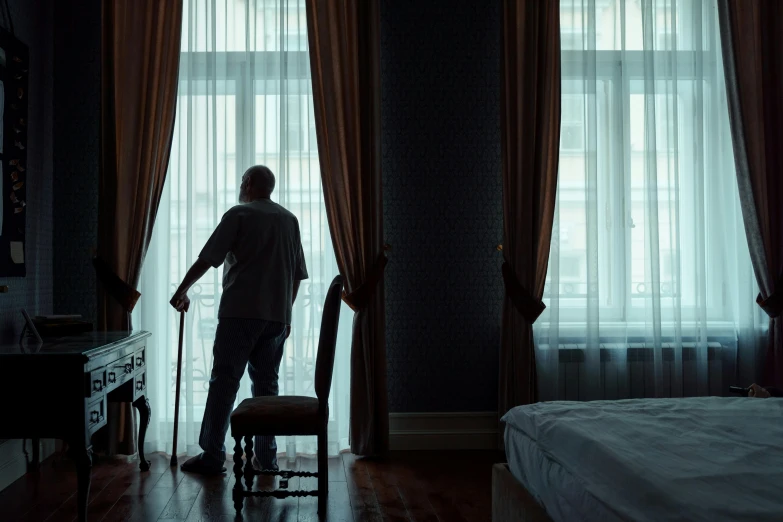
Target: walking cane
176,398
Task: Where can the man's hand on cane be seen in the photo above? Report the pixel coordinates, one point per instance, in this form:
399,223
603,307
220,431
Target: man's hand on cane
180,301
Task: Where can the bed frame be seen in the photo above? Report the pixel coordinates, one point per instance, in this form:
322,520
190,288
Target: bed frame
511,502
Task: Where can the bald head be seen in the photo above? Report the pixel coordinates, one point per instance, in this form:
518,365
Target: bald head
258,182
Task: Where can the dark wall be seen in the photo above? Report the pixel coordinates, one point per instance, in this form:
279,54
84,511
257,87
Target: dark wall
33,25
440,85
77,79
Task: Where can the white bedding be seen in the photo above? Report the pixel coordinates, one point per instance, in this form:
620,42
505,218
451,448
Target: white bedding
708,458
554,488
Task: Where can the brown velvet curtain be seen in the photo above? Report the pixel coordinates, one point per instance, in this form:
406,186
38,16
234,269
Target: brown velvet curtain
753,61
140,69
344,63
530,140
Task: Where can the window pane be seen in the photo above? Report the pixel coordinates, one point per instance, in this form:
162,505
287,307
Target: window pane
209,123
297,120
585,182
230,25
651,25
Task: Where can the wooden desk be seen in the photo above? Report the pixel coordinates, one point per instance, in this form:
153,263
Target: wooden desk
60,389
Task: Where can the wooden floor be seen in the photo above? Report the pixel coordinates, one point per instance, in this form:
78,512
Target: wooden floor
420,486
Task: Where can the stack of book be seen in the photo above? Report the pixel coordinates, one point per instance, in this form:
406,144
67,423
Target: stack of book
61,325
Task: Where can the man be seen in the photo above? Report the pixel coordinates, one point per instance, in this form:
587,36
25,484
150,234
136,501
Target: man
259,243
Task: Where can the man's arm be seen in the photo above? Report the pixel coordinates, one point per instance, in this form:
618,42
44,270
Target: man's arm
296,290
180,301
293,300
212,255
301,267
299,273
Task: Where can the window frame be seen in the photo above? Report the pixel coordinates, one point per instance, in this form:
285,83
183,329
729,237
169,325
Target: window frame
622,71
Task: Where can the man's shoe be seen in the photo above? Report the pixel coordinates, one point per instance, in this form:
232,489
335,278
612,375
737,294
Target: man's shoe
257,465
203,464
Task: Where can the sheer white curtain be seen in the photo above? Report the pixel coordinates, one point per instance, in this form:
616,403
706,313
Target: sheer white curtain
244,98
650,288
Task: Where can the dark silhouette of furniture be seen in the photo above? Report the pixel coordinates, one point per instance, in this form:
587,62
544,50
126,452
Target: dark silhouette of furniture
290,415
59,390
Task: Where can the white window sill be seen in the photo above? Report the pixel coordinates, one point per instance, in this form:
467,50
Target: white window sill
622,329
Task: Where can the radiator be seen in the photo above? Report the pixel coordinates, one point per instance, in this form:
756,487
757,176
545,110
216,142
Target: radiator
634,377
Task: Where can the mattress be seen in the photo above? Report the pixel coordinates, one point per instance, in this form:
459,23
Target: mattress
553,487
708,458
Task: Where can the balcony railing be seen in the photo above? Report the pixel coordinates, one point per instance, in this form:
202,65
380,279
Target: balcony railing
297,372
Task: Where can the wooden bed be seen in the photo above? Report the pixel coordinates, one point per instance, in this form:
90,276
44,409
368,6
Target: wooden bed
511,502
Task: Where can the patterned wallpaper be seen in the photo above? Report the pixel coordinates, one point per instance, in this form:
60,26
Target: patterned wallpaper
440,85
32,23
77,71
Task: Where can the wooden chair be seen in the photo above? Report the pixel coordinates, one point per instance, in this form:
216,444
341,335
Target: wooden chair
290,415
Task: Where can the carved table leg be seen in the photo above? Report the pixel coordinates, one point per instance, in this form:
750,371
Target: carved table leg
35,463
83,458
142,404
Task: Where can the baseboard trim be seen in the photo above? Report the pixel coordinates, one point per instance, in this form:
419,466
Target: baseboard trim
13,464
443,431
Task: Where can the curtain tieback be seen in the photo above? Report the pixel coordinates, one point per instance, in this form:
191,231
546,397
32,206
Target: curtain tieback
125,294
772,305
524,302
360,298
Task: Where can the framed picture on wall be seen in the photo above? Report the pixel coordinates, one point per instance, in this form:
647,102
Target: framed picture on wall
14,69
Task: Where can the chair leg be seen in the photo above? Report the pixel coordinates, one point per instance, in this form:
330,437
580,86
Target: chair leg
238,490
323,473
249,475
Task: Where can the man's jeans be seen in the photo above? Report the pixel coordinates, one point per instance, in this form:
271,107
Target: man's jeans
239,343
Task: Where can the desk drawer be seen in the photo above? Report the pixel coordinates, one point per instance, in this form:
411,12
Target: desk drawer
96,415
95,383
139,384
140,359
120,370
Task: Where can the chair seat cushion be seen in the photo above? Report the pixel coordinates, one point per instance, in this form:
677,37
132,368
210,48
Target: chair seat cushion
277,415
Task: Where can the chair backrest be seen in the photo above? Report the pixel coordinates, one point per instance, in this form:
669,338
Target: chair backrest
327,342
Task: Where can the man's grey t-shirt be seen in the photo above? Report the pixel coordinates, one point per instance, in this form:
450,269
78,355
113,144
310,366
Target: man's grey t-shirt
262,250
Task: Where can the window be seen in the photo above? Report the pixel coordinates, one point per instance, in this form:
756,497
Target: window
571,123
665,42
571,268
648,259
244,98
639,204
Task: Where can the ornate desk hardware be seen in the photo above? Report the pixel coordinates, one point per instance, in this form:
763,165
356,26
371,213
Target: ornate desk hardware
127,367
